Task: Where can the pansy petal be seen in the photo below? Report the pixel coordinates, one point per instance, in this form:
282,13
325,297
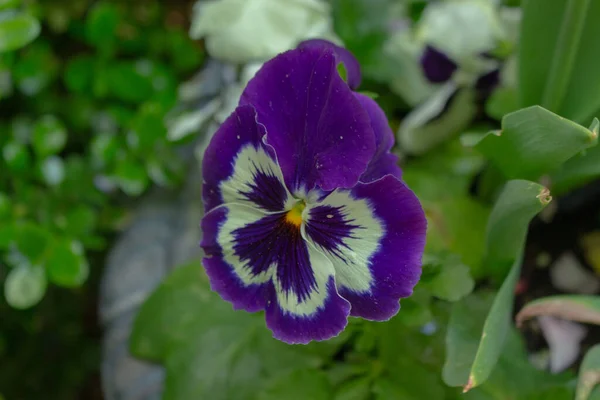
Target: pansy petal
306,305
257,260
238,168
319,130
233,272
383,162
374,234
437,66
351,64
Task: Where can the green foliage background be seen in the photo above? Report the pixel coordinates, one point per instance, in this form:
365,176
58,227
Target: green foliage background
81,137
85,86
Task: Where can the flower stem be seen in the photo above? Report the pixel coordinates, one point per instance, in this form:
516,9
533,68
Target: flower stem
564,56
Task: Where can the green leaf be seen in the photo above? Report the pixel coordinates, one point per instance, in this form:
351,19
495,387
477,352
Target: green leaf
386,389
516,378
5,206
507,226
558,57
533,141
579,170
5,4
503,100
53,170
16,156
80,221
25,286
363,27
458,225
32,241
66,264
299,385
356,389
126,83
148,127
101,26
578,308
79,73
518,203
49,136
17,30
463,335
589,373
452,281
131,177
210,350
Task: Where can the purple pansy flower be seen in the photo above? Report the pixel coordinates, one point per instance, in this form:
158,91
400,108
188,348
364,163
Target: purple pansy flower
307,217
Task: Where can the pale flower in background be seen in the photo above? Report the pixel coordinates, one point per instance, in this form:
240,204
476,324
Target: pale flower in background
242,31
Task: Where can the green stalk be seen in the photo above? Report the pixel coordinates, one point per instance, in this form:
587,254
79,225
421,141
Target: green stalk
564,56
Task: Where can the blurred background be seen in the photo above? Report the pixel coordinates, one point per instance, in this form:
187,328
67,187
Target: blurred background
106,107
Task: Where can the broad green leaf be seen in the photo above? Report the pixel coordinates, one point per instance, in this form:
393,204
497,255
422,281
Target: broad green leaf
355,389
452,281
589,373
458,225
299,385
5,4
507,226
558,57
516,378
66,264
533,141
518,203
210,350
386,389
463,335
416,372
579,170
25,286
578,308
17,30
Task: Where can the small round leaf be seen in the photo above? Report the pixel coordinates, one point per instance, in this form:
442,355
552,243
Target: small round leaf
17,30
25,286
66,264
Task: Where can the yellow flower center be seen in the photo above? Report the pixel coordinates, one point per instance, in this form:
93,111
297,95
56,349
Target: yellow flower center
294,216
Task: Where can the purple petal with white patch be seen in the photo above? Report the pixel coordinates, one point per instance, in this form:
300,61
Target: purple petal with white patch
320,132
374,234
259,260
353,74
383,162
238,168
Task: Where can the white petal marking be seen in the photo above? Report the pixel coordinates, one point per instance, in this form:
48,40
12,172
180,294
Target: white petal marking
247,163
322,270
352,270
239,216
